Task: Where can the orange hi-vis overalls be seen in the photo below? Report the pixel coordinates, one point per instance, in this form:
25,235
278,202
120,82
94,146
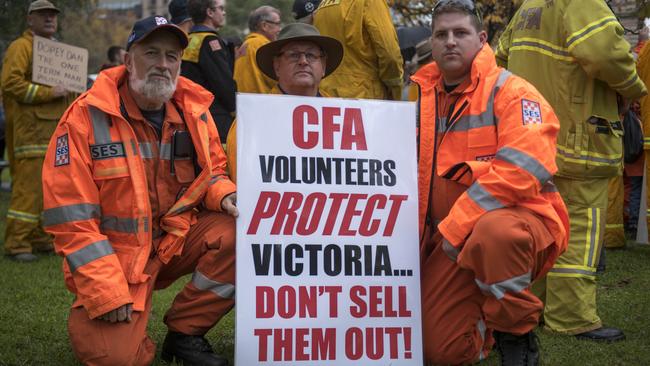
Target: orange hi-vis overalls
490,218
130,215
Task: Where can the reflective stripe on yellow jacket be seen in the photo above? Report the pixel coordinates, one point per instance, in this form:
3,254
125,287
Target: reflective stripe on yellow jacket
96,199
372,63
35,111
575,55
248,76
500,144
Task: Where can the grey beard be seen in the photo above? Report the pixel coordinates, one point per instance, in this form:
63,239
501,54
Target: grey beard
157,91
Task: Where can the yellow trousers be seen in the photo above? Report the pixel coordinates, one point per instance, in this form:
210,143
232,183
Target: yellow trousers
569,289
24,232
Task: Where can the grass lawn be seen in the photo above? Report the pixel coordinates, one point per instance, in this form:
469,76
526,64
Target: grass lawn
34,307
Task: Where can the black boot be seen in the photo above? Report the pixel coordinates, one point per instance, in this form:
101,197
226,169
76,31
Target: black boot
517,350
190,350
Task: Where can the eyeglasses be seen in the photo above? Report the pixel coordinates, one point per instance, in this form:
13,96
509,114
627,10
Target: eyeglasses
272,22
295,56
466,5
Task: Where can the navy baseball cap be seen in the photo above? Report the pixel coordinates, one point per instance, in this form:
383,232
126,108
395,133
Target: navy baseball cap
178,11
144,27
302,8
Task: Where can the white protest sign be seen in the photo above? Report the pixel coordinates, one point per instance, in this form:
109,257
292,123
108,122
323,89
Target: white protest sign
327,237
55,63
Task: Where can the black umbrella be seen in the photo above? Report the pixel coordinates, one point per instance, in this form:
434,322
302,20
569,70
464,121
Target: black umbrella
408,37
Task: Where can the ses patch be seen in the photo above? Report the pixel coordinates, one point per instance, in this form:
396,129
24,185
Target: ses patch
531,112
107,151
62,156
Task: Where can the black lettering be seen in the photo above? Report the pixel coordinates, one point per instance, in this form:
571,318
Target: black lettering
289,259
390,179
266,167
382,261
261,261
352,258
332,260
313,250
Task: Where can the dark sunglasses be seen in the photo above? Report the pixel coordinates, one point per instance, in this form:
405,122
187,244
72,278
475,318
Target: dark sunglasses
466,5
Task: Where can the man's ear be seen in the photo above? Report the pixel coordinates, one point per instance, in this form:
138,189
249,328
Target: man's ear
482,36
128,59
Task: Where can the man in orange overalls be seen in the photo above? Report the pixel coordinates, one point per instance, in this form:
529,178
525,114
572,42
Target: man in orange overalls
136,195
491,219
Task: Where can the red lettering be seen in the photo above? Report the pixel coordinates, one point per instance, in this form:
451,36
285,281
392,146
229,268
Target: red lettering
286,302
403,311
350,212
282,344
374,300
333,292
353,132
324,344
310,139
375,343
267,204
291,202
263,335
369,227
301,344
315,202
264,302
307,301
396,200
329,127
354,343
392,340
360,310
336,198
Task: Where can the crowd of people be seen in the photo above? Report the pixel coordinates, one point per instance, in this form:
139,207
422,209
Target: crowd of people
517,149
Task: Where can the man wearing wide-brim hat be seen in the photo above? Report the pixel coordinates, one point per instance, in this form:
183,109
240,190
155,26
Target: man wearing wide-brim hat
298,60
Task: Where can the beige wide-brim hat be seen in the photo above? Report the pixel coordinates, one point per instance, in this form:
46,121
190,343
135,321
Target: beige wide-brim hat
299,32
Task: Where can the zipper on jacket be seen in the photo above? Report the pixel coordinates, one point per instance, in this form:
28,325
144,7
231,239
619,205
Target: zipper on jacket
427,220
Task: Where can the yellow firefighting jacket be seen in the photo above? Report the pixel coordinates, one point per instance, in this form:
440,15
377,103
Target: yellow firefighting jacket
35,111
248,76
372,63
575,55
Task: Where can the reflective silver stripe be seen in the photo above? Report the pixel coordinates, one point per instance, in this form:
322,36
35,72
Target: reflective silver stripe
480,325
65,214
541,46
589,158
134,148
524,161
165,151
549,187
483,198
486,118
514,285
450,250
88,254
588,30
574,271
119,224
101,126
595,224
224,290
146,151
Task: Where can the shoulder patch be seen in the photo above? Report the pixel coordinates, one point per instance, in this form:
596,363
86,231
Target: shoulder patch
215,45
62,156
531,112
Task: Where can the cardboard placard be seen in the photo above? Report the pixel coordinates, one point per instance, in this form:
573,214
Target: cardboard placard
55,63
327,237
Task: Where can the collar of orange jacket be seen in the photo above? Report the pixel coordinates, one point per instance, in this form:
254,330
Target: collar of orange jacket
430,75
189,96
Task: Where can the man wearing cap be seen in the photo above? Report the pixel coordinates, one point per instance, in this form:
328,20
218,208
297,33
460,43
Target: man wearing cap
303,9
209,61
32,113
180,15
264,24
297,61
372,67
136,196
